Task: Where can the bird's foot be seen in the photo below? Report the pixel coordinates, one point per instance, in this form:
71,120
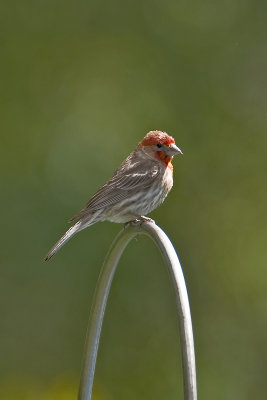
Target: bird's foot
139,221
146,219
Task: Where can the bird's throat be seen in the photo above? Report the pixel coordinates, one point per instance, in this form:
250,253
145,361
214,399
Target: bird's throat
167,160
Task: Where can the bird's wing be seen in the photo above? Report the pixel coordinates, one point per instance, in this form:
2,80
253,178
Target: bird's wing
119,187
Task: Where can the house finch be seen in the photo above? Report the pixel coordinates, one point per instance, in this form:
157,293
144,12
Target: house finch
138,186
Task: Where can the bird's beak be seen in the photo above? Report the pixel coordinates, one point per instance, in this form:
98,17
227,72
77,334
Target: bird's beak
173,150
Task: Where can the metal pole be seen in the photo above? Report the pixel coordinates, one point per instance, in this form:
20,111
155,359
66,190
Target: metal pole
100,300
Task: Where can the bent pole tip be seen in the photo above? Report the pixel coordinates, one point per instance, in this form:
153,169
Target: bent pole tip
101,296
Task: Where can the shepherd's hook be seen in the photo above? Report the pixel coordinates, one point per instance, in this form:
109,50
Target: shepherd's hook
100,300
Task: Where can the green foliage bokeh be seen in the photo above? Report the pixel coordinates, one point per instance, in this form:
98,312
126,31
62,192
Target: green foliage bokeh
82,82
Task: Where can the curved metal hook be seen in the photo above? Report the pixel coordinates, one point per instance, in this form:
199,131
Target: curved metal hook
100,300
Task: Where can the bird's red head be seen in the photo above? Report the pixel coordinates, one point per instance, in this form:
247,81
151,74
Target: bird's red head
160,146
154,138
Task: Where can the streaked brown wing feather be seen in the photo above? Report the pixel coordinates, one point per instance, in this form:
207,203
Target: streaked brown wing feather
120,186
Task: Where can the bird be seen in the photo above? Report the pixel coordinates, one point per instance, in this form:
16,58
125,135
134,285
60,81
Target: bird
139,185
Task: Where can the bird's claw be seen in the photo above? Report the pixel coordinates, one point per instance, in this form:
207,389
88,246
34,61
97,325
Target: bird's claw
146,219
139,221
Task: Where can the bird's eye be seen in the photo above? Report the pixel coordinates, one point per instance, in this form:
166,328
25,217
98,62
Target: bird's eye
159,145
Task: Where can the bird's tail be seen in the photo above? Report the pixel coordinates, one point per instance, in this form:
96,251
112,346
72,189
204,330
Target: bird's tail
74,229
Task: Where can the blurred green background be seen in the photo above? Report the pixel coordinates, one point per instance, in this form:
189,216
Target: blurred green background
82,82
